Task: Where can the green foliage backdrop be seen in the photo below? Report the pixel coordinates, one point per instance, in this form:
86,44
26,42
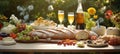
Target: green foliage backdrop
8,7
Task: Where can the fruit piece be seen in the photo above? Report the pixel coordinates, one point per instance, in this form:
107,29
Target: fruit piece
118,41
67,42
36,38
20,38
1,38
13,35
59,43
21,27
74,43
27,38
86,15
64,43
93,37
113,41
4,35
80,44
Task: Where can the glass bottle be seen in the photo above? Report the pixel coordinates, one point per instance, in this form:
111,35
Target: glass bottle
80,16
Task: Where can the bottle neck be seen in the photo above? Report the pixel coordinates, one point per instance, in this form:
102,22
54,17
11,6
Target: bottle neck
79,9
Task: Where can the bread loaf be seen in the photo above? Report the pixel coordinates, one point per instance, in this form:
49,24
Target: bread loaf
113,31
82,35
56,33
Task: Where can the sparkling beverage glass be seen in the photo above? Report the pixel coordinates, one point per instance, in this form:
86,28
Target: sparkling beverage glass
70,17
60,16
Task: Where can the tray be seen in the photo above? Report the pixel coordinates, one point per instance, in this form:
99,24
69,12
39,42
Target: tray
37,41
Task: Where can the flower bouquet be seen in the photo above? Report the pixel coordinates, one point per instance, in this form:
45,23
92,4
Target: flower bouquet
116,20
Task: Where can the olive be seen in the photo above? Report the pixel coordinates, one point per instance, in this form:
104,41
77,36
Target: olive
4,34
89,42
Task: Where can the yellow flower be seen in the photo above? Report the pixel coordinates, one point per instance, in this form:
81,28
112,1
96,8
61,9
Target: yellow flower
3,17
95,16
91,10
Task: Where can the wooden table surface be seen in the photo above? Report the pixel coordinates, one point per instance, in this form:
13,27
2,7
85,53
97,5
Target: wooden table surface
49,47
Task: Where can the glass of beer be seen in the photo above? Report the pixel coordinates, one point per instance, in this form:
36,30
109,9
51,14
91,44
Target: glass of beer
71,20
70,17
60,16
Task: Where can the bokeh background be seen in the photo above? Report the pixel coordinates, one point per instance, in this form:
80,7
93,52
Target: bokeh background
41,8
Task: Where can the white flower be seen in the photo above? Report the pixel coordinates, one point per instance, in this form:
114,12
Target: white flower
102,10
24,9
50,8
19,8
26,17
22,13
14,18
30,7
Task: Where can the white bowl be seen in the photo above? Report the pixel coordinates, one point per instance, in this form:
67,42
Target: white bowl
9,42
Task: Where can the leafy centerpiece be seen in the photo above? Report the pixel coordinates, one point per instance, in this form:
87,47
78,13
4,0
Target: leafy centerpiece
116,20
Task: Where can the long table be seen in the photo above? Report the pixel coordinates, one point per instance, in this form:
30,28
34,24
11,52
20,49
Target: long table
30,48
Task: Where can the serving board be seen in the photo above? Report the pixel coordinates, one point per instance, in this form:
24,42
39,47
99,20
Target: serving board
38,41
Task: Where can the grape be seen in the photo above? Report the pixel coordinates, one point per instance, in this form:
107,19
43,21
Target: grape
90,24
86,15
23,30
27,38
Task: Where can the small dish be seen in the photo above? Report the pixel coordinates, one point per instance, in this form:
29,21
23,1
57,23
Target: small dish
91,43
13,42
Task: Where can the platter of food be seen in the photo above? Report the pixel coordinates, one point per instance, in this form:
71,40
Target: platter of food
97,43
40,23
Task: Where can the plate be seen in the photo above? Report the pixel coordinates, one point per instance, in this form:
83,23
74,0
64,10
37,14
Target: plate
7,43
95,45
91,44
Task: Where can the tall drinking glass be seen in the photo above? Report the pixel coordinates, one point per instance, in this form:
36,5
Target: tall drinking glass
71,20
60,16
70,17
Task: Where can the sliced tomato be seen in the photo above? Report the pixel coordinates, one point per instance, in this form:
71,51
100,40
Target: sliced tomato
13,35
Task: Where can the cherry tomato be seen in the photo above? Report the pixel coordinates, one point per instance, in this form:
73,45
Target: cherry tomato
74,43
13,35
93,37
1,38
59,43
64,43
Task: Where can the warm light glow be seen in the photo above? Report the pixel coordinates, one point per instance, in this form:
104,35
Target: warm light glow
107,1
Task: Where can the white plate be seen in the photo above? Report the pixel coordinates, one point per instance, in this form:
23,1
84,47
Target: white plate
8,42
